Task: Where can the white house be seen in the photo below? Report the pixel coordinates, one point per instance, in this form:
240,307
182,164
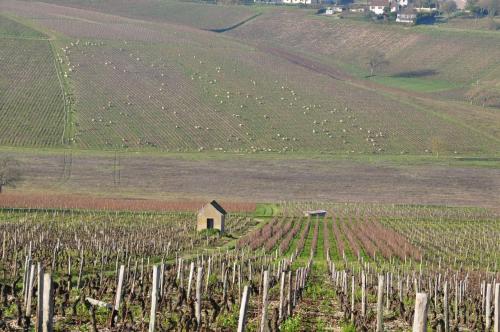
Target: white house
406,17
298,2
333,10
398,5
357,10
378,6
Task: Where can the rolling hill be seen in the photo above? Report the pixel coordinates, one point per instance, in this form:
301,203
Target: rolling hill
167,85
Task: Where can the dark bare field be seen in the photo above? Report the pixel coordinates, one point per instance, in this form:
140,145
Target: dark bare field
158,177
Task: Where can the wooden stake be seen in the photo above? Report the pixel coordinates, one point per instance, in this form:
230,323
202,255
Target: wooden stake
363,294
352,298
80,271
496,327
263,320
154,298
199,275
380,304
243,310
208,273
39,309
190,280
488,307
420,317
47,304
31,281
289,294
282,296
118,296
446,310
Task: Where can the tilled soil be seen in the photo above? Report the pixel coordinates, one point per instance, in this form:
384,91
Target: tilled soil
259,180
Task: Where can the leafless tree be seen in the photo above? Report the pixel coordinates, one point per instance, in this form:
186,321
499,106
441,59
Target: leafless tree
10,172
448,6
377,60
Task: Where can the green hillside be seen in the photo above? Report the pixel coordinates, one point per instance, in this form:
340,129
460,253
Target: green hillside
138,85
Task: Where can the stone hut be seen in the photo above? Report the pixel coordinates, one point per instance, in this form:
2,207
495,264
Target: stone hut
211,216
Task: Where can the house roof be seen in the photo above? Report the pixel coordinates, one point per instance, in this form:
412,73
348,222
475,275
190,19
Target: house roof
313,212
383,3
218,207
409,11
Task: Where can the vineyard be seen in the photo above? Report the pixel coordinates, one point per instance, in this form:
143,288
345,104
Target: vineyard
368,267
160,86
196,14
31,97
423,59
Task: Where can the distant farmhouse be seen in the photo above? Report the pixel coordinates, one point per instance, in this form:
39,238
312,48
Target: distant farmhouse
408,16
400,7
298,2
334,9
378,6
211,216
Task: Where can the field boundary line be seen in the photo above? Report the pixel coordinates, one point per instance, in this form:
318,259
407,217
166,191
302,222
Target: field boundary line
57,68
236,25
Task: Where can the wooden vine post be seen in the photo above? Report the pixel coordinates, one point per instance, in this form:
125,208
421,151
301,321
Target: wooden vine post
47,304
420,316
31,281
380,304
199,276
190,280
243,310
488,307
263,321
446,315
39,309
282,296
353,289
496,328
154,298
363,294
118,296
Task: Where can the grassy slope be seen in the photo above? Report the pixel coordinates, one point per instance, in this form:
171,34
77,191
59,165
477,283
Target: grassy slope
441,57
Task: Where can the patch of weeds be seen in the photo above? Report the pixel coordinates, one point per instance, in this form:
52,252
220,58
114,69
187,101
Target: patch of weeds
348,327
320,325
228,320
210,232
212,280
292,324
317,291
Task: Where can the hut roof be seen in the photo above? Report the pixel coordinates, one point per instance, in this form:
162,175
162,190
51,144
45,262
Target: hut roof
218,207
315,212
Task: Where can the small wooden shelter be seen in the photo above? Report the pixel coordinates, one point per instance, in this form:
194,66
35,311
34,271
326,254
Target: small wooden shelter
315,213
211,216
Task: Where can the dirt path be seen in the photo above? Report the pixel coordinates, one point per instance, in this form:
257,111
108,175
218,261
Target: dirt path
319,310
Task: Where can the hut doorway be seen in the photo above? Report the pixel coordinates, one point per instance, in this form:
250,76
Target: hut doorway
210,223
